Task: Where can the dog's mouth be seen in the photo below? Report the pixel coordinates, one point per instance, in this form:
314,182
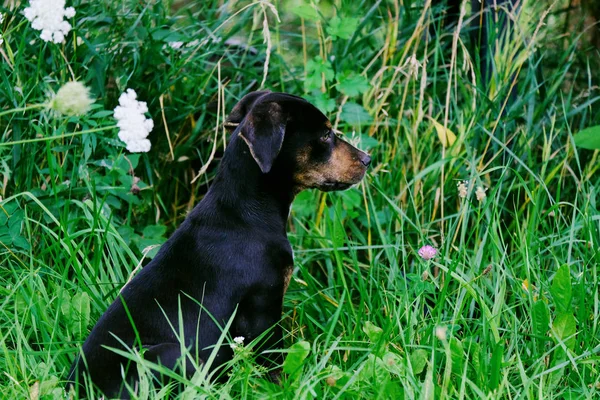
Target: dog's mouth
329,186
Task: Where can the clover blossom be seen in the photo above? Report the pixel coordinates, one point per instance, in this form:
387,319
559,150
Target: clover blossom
73,98
427,252
133,125
48,16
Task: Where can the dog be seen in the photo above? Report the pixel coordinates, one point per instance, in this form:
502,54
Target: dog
231,255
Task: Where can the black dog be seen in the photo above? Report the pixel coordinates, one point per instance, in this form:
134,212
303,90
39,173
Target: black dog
231,254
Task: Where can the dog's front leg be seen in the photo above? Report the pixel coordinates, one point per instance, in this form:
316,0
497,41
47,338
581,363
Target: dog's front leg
263,322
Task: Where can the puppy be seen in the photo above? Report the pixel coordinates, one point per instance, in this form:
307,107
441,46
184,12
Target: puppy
231,255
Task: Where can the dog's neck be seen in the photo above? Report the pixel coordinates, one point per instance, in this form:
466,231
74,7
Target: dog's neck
241,188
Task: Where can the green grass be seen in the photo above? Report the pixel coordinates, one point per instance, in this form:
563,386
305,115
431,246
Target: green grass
508,309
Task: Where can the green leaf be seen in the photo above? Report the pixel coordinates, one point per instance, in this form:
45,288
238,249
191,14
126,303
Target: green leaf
561,289
80,314
21,242
496,366
541,318
322,101
374,370
418,361
564,328
373,331
154,231
393,363
352,84
588,138
355,115
367,142
149,247
342,28
304,204
457,354
297,353
306,11
316,69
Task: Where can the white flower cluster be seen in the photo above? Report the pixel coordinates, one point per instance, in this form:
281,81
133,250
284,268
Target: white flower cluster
463,191
48,16
133,125
237,342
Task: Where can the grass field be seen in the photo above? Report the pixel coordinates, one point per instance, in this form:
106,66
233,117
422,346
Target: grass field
488,174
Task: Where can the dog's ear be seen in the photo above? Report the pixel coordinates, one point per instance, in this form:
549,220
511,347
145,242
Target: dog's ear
242,108
263,130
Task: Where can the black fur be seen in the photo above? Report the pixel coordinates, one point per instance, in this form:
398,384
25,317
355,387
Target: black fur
231,251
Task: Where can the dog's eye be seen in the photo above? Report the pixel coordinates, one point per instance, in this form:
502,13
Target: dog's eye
326,136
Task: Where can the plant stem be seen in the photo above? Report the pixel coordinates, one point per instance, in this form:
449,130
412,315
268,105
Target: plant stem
16,110
58,137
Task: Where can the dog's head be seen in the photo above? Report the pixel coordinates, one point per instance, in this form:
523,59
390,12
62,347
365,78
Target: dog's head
287,134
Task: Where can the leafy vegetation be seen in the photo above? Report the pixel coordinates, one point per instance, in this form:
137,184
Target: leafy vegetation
508,308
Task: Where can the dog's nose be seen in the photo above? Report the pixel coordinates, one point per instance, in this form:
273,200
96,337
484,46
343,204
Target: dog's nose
365,159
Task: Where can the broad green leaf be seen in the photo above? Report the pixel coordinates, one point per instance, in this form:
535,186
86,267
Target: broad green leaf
316,69
588,138
80,313
21,243
561,289
352,84
323,102
127,233
304,204
458,355
154,231
367,142
496,366
373,331
5,237
541,318
297,353
418,361
355,115
564,328
446,136
374,370
149,247
342,28
428,388
393,363
65,303
306,11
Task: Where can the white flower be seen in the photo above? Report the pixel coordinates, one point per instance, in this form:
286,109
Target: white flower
175,45
237,343
239,340
133,124
73,98
480,193
462,189
441,332
48,16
